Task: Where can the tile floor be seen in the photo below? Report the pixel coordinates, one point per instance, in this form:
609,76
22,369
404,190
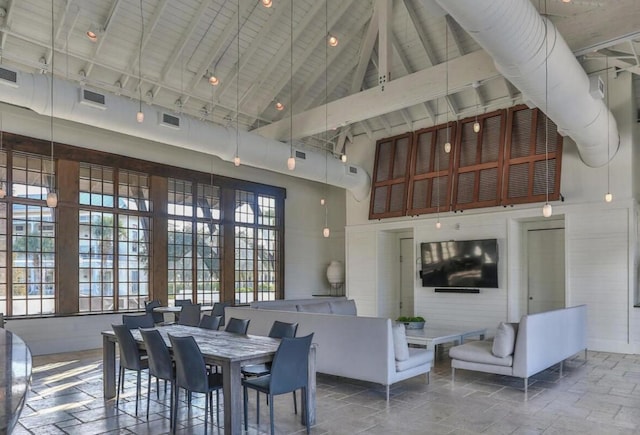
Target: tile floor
599,396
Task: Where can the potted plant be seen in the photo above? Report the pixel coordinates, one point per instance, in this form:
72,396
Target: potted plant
412,322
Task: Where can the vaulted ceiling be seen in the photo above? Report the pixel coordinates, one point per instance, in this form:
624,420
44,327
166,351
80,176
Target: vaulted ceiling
166,58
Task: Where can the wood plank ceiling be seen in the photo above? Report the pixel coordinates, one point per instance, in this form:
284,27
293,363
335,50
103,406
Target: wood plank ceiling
182,42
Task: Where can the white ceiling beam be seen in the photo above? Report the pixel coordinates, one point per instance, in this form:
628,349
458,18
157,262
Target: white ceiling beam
454,32
403,112
267,75
384,41
365,53
407,91
7,22
148,31
277,88
333,84
385,124
231,29
58,25
367,129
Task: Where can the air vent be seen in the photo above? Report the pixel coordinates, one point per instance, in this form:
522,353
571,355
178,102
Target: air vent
8,77
170,120
93,99
353,170
301,155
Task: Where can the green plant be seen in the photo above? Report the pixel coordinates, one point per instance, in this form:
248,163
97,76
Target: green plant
405,319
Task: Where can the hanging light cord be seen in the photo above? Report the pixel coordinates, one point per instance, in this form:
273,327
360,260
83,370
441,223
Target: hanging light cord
291,89
140,57
53,177
606,72
546,103
238,88
446,79
326,94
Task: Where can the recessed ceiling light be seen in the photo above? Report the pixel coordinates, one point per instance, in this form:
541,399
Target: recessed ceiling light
213,80
267,3
279,105
332,40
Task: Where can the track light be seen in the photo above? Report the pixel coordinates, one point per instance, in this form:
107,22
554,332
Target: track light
213,80
267,3
332,40
279,106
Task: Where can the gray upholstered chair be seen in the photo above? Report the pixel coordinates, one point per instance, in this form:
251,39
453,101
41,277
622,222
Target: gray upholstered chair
148,308
218,310
210,322
237,326
289,372
136,321
190,315
130,359
160,365
192,375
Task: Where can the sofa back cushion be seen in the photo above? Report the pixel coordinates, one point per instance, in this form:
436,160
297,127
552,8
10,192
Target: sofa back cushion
345,308
505,340
322,307
400,345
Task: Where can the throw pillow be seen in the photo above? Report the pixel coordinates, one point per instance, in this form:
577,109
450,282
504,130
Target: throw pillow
504,341
400,346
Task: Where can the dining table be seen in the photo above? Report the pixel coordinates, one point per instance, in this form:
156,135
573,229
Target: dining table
227,350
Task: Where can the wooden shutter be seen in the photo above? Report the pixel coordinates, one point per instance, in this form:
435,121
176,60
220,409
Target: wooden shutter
526,160
389,187
429,177
478,162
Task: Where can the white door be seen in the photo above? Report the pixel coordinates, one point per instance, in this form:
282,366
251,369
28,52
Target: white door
545,248
406,277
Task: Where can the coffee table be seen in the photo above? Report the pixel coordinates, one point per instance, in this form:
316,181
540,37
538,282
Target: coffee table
431,336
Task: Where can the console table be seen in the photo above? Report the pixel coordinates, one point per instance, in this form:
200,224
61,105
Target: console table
431,336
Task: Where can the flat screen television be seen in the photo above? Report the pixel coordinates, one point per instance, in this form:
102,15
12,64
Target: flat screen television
463,263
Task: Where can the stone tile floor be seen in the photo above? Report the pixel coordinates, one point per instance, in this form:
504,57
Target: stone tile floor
599,396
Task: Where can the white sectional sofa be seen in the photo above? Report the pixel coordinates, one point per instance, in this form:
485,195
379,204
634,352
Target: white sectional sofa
347,345
523,349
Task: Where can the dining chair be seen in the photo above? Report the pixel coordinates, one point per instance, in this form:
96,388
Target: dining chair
130,359
181,302
218,310
149,306
237,326
160,366
192,375
136,321
210,322
289,372
190,315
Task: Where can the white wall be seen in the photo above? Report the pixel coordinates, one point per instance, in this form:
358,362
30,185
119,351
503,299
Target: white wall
600,243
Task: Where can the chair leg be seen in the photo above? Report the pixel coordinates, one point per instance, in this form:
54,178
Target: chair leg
118,388
171,406
176,392
158,388
149,393
246,401
218,407
305,407
258,408
295,403
138,390
387,393
207,404
271,414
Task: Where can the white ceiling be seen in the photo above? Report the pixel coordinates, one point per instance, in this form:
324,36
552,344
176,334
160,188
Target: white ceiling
183,39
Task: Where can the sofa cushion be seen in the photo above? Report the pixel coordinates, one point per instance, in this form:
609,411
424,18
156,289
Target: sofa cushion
345,308
479,352
505,340
278,307
400,345
417,357
322,307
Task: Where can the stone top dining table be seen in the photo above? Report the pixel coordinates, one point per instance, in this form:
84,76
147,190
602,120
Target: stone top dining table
15,375
228,350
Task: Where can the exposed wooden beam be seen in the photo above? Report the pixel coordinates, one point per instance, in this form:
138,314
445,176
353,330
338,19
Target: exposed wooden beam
106,30
407,91
7,22
365,53
384,41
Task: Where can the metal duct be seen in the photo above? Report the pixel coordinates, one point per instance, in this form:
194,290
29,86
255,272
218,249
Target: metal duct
117,113
513,33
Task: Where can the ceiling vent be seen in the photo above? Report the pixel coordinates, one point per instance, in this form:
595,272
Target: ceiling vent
301,155
8,77
93,99
352,170
171,121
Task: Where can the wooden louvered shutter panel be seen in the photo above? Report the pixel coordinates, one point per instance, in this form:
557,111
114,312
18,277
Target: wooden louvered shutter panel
429,180
478,168
526,159
389,187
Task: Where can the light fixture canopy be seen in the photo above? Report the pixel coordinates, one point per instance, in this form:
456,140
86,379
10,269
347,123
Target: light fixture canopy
547,210
291,163
332,40
267,3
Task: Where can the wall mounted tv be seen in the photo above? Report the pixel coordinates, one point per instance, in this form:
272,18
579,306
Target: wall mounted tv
464,263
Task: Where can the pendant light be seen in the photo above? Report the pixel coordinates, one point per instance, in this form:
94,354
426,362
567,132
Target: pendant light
3,191
476,125
140,114
326,232
52,196
236,158
447,144
547,210
608,197
291,161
